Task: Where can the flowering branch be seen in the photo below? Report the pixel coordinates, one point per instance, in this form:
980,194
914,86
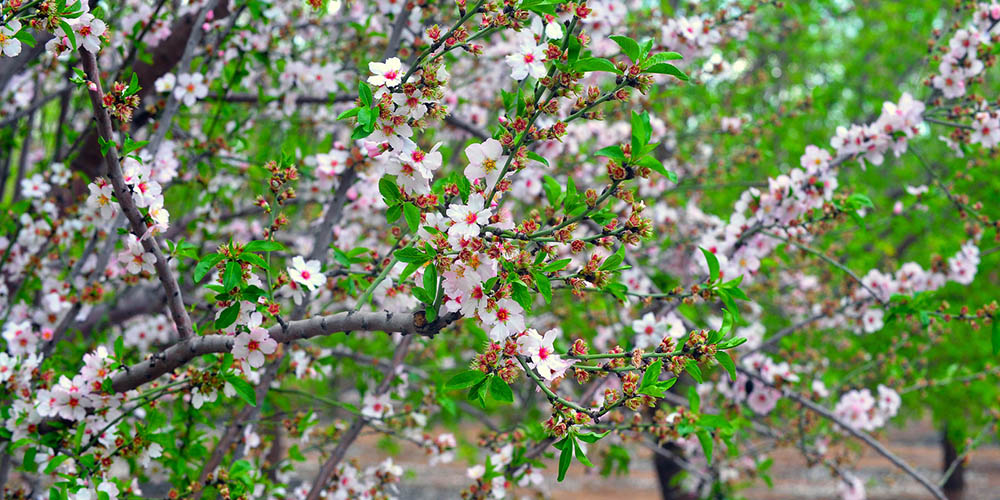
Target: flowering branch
149,242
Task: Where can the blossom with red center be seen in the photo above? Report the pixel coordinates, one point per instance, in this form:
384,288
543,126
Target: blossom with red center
376,407
506,318
469,217
389,73
543,355
306,273
527,59
254,345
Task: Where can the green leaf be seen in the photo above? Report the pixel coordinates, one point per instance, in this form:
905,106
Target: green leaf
500,391
595,64
243,389
614,260
25,37
641,131
464,379
228,316
422,295
410,254
365,93
629,46
651,385
726,361
240,468
727,322
655,165
668,69
539,158
661,57
412,215
131,145
556,265
695,372
590,437
263,246
348,114
255,260
553,190
133,87
706,444
55,463
68,31
694,400
652,374
478,392
393,213
613,152
521,295
120,348
731,343
390,192
713,265
858,200
565,458
996,336
544,285
232,276
580,456
430,281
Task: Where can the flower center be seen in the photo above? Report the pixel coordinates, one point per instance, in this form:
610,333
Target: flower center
529,58
489,164
391,75
472,218
306,275
253,345
503,315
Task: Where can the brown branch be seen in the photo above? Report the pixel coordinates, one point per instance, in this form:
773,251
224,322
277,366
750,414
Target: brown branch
330,466
863,436
186,350
174,299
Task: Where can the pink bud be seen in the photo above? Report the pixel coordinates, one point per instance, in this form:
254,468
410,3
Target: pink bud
206,27
897,208
995,12
92,86
210,15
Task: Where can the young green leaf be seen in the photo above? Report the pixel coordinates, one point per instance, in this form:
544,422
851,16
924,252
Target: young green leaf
668,69
629,46
713,265
595,64
500,391
243,389
464,379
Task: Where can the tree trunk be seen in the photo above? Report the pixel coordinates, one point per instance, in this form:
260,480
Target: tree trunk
954,485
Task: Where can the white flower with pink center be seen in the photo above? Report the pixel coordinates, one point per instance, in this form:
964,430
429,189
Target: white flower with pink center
306,273
376,407
506,318
543,355
255,345
388,73
468,218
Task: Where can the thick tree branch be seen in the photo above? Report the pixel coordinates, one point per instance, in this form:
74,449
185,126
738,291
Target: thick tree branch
174,299
184,351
